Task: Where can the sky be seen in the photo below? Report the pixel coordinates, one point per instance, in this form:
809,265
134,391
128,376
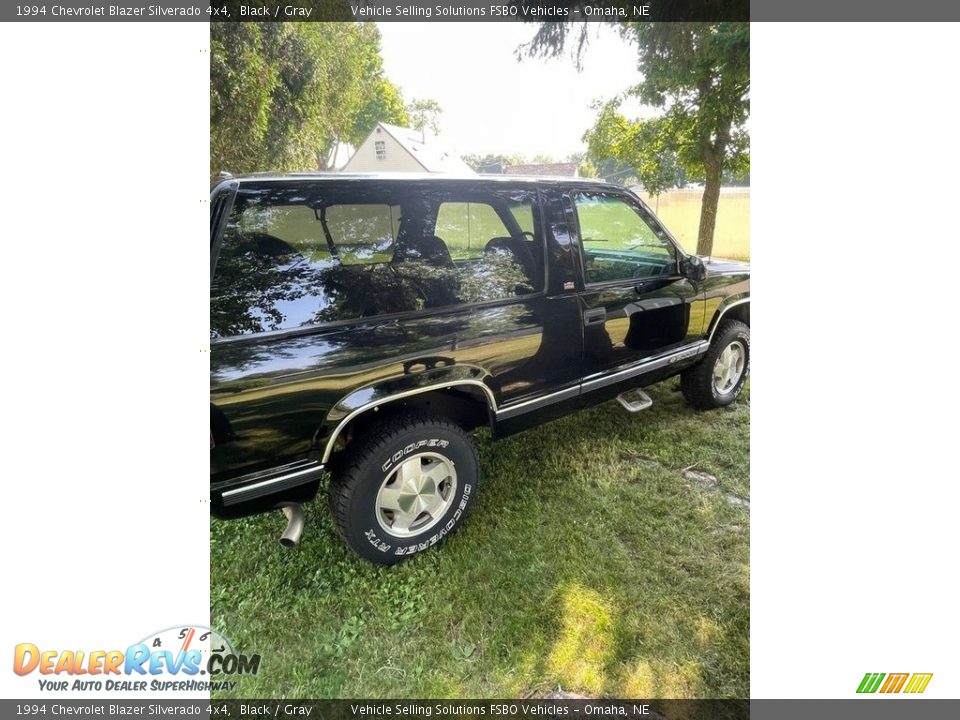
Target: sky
493,103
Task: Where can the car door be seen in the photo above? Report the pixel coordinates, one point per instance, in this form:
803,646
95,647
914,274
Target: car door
499,236
636,305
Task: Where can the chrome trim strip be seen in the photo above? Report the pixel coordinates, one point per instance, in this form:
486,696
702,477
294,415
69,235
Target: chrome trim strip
688,351
693,350
328,450
720,316
533,403
263,474
274,484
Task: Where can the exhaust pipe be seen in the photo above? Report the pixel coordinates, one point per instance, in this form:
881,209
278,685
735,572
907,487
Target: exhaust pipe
295,520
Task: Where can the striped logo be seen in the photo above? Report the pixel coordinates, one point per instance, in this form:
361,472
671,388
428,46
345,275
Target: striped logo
894,682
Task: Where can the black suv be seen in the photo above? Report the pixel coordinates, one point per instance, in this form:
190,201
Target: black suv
363,325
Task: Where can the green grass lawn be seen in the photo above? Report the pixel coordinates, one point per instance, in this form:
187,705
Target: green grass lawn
679,210
589,561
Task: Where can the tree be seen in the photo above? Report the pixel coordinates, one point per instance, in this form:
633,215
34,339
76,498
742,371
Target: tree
543,159
586,169
425,114
698,75
380,101
284,95
585,166
242,81
641,146
492,163
385,104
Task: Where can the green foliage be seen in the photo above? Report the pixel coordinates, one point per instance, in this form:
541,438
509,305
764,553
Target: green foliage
381,100
492,162
699,73
283,95
585,165
424,113
242,82
543,159
698,76
644,146
587,169
385,104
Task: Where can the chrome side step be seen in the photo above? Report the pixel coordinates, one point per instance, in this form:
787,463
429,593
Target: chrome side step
634,400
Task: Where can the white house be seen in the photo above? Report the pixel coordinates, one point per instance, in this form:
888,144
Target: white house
390,148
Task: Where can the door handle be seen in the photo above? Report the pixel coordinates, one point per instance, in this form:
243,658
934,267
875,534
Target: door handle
594,316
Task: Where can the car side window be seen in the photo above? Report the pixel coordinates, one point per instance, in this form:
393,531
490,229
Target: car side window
363,233
269,268
293,257
467,226
619,242
495,256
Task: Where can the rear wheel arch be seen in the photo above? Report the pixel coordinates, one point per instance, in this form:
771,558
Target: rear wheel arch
468,405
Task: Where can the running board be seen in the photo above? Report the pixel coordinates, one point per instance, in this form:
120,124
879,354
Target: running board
634,400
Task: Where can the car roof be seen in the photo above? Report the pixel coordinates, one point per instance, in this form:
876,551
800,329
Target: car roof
404,176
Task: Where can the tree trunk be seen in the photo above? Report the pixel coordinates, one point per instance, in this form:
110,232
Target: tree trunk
325,158
708,207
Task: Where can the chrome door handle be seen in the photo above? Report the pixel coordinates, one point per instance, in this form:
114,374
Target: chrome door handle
594,316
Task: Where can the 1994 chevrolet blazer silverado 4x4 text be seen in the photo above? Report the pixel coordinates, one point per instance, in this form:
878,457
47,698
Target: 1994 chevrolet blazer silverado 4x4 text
363,325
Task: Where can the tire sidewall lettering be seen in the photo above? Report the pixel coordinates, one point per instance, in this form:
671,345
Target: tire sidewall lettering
412,447
376,542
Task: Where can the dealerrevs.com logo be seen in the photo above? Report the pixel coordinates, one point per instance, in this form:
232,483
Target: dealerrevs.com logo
182,659
894,683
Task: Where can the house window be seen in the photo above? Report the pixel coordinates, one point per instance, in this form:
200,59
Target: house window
381,147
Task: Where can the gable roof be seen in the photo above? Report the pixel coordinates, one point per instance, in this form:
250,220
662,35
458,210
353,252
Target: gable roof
430,154
543,170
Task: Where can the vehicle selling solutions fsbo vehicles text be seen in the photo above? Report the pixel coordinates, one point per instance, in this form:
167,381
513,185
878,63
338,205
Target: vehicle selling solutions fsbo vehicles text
490,11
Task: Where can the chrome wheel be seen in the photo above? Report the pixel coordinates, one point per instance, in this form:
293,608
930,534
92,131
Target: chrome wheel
416,494
729,367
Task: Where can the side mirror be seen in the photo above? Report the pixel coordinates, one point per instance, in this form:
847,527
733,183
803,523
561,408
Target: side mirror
692,268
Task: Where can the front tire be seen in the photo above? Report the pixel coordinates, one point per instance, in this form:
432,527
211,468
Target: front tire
404,487
717,380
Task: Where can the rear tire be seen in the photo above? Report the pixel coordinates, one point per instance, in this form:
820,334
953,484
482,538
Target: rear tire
717,380
404,487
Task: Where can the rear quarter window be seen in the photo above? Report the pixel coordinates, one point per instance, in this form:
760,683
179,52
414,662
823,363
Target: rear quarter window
363,233
294,257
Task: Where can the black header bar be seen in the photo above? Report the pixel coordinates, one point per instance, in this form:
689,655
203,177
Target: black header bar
477,10
379,11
